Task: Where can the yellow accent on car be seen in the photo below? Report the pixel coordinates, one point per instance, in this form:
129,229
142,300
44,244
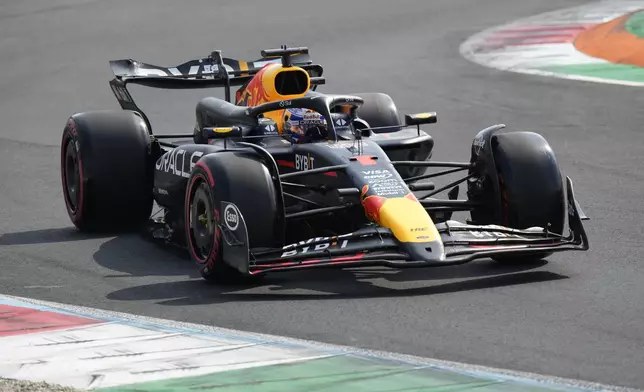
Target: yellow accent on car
262,89
222,130
408,220
243,66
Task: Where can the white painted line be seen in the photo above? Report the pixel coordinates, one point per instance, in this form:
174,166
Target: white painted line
578,77
307,349
533,56
112,353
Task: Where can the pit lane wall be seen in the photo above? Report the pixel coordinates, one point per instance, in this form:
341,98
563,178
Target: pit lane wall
90,349
597,42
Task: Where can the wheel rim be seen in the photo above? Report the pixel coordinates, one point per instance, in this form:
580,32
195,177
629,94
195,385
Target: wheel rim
202,225
72,176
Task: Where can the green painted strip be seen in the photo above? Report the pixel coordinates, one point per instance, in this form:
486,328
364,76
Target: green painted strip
334,374
605,71
635,24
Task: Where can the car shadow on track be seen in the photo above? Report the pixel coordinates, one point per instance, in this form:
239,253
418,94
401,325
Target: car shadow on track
126,254
200,293
135,257
131,256
46,236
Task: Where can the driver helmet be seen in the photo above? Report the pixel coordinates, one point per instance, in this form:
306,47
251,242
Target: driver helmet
299,123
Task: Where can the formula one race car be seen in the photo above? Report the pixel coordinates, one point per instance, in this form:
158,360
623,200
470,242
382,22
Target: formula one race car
288,178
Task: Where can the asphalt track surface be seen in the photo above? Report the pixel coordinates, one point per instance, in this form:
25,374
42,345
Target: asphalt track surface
581,315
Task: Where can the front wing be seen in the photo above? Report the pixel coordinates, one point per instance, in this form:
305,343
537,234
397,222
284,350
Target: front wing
377,246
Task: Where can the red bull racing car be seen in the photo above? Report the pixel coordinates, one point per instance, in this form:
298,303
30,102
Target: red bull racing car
283,177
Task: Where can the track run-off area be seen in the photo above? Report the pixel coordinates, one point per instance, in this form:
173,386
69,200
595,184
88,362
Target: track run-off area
576,316
599,42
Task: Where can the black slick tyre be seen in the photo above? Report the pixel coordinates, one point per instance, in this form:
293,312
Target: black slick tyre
379,110
531,186
239,179
106,171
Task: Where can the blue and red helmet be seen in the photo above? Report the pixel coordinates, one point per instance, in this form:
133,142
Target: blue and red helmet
298,121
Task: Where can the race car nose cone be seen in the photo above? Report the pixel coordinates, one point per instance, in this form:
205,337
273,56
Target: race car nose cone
413,228
408,220
431,252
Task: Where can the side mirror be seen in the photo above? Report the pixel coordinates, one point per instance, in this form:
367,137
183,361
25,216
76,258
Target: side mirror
220,132
421,118
201,136
361,128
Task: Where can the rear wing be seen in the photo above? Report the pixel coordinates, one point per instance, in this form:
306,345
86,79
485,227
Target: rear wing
209,72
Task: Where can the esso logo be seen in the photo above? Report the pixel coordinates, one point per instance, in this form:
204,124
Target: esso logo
231,217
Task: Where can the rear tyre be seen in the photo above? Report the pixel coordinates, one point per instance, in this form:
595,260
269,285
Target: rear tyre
232,177
531,186
106,171
379,110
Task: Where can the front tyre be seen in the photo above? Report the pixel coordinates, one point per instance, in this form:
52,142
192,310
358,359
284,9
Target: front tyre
106,171
228,177
531,185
